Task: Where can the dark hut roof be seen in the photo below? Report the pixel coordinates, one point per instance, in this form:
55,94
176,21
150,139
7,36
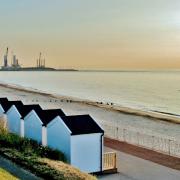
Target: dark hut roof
48,115
7,104
18,104
3,99
4,103
82,124
25,109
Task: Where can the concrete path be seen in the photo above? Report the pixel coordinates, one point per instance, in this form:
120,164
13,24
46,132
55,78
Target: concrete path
16,170
134,168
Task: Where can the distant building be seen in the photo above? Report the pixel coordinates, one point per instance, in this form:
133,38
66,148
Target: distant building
13,66
5,61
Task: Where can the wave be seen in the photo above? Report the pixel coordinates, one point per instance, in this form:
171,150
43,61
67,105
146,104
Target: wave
171,114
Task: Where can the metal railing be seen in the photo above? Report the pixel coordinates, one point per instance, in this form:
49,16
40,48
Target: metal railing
109,161
148,140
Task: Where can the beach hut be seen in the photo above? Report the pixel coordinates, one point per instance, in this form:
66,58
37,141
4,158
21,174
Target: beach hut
25,111
15,116
35,123
80,138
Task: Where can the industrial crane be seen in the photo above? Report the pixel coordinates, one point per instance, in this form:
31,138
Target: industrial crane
40,62
7,51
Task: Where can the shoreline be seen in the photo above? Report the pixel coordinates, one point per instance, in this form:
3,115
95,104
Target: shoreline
154,115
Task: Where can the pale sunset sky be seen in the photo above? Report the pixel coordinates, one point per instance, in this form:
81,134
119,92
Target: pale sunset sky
92,34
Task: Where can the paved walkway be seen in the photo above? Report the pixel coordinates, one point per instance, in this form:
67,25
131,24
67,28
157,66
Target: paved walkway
134,168
16,170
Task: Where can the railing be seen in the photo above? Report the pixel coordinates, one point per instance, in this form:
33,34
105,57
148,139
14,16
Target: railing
109,161
144,139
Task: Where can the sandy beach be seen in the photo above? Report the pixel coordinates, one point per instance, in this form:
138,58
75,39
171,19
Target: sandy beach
108,106
151,123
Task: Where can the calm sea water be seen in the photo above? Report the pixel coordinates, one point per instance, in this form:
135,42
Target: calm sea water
159,91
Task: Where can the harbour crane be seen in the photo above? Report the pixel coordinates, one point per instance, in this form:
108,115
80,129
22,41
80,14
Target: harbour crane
7,51
40,61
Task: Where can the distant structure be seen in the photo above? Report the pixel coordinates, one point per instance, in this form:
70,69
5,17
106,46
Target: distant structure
14,64
6,59
40,62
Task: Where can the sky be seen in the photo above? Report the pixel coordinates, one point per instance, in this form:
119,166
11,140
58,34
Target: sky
92,34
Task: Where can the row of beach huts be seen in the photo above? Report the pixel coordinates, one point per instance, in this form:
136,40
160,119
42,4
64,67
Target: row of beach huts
79,137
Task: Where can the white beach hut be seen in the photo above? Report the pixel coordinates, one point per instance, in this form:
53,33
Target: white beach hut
15,115
80,138
35,123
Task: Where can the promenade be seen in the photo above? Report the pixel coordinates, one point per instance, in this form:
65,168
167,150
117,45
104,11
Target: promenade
134,168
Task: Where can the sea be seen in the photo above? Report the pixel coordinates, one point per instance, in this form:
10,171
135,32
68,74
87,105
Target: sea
142,90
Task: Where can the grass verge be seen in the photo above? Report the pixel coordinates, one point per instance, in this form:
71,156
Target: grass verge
4,175
30,155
